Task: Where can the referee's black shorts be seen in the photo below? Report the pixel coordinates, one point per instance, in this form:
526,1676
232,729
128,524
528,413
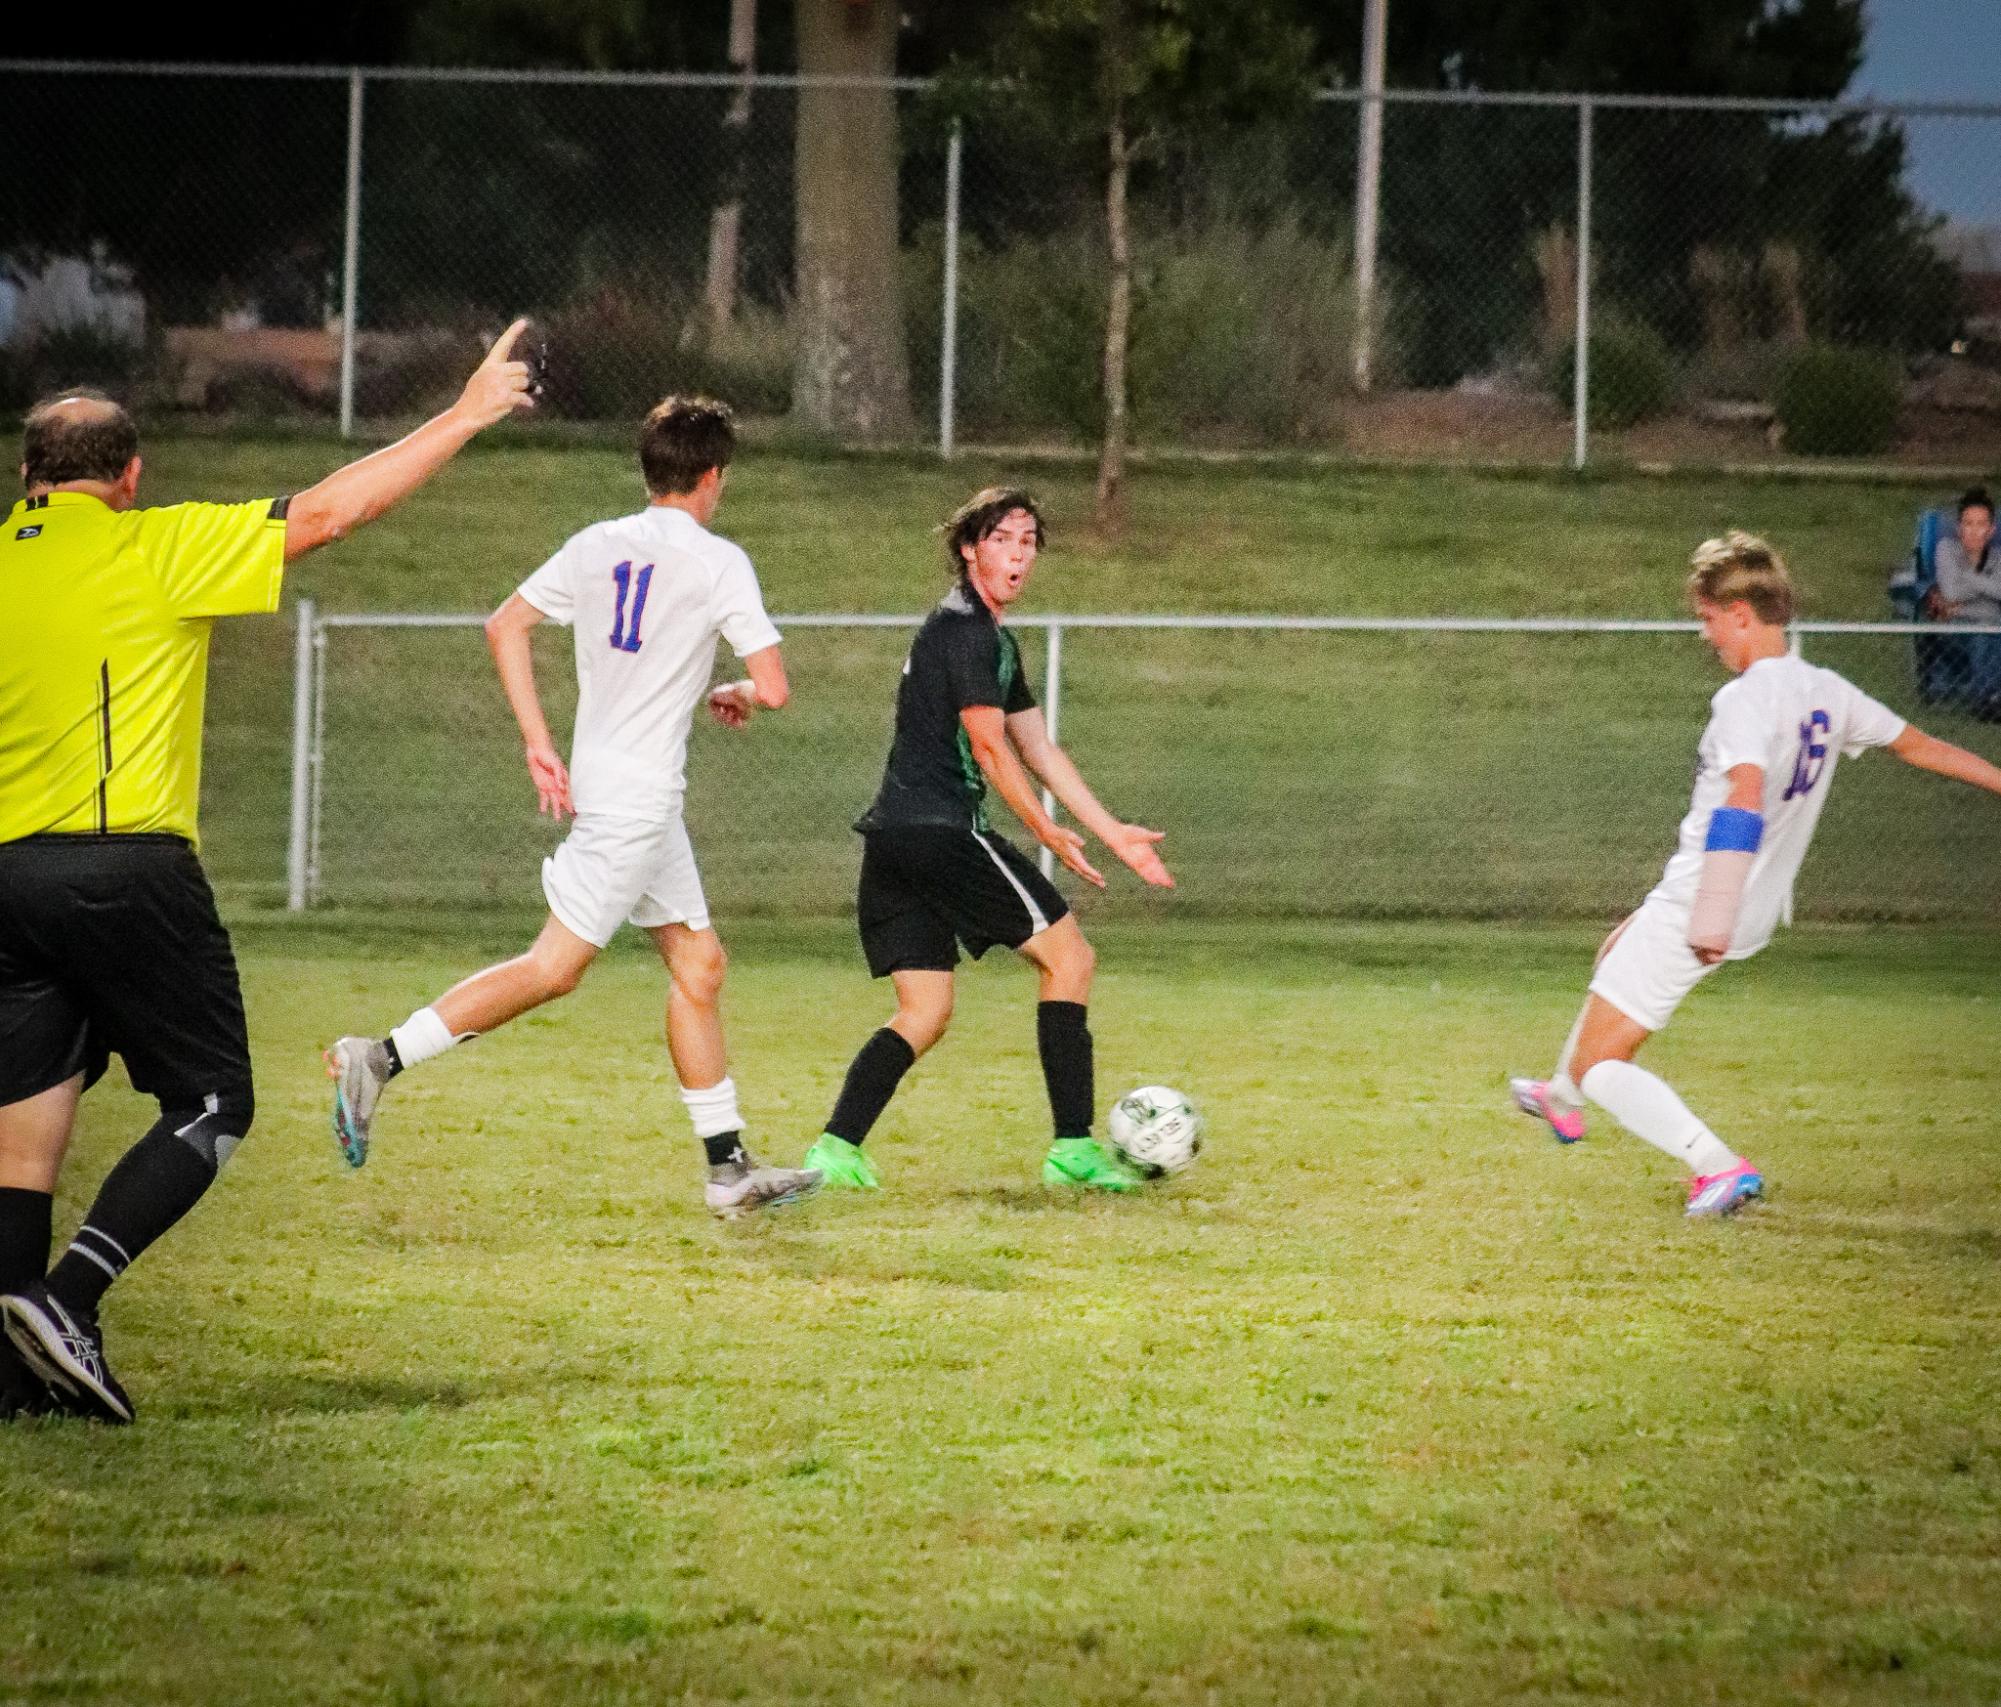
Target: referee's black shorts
110,945
927,888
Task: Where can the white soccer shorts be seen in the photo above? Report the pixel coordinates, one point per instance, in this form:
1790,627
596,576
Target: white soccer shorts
1651,967
614,871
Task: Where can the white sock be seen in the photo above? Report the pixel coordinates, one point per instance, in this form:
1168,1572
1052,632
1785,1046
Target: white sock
1562,1088
1648,1108
421,1036
713,1110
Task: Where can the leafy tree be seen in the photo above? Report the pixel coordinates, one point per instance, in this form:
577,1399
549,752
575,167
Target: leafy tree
1125,83
1668,183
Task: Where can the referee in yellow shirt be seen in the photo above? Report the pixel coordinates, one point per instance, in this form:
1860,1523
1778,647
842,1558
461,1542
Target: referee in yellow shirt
109,939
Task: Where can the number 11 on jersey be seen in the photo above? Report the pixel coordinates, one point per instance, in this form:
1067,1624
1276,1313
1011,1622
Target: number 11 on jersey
621,579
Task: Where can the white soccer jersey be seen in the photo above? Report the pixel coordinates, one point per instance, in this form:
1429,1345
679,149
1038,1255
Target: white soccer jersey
646,596
1794,720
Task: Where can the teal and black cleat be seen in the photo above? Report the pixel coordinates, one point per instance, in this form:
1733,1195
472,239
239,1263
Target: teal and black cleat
359,1068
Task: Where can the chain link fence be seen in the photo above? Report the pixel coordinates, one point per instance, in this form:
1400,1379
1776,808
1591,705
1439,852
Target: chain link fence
1740,280
1302,768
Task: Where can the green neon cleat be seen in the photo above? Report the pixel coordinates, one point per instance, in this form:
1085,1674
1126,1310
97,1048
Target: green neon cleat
841,1164
1082,1162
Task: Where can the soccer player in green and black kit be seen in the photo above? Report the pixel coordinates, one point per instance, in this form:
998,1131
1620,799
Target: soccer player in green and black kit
935,876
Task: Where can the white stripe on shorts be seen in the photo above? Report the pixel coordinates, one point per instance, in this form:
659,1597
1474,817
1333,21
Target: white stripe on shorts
1027,900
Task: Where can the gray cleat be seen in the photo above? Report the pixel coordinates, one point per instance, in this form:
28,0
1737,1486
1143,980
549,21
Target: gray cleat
359,1068
739,1188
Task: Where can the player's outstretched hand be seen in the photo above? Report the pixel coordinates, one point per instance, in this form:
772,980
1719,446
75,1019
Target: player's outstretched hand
500,386
732,703
552,783
1138,847
1068,846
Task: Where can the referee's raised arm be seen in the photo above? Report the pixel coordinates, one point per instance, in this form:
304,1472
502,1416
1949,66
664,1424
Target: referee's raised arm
362,490
110,943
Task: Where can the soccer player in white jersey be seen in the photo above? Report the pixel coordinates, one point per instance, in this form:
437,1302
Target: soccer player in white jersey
1764,768
647,596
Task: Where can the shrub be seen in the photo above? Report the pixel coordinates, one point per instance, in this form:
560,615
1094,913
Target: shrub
1631,379
1031,331
1834,400
616,351
1243,334
79,354
1237,333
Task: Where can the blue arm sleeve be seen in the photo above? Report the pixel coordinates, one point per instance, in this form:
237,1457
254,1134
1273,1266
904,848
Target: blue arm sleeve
1733,829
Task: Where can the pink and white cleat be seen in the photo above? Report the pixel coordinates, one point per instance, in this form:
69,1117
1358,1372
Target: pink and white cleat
1532,1097
1724,1193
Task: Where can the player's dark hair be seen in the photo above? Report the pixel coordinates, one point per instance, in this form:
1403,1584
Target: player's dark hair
92,444
1975,498
979,515
683,438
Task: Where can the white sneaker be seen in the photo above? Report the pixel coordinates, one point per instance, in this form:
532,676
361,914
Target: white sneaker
739,1188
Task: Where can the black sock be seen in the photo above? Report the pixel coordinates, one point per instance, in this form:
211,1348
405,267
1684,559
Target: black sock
1065,1044
24,1237
877,1070
724,1148
395,1058
156,1182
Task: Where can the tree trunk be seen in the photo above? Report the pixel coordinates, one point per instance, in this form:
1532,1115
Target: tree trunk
851,375
1111,505
726,218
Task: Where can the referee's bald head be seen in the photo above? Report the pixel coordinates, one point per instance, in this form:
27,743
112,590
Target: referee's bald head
79,434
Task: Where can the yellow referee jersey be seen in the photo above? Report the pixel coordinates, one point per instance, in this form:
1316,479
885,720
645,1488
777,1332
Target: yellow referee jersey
104,624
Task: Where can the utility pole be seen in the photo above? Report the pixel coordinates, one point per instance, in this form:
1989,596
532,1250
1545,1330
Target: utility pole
1369,186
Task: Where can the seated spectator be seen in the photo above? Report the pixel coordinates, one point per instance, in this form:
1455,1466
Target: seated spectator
1968,589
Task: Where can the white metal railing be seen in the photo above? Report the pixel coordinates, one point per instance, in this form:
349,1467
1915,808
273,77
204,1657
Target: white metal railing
310,687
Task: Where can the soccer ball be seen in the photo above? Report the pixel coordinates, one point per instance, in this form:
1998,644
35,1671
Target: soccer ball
1156,1130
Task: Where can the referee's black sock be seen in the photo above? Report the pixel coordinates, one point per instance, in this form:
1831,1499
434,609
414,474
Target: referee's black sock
155,1183
877,1070
1065,1044
24,1236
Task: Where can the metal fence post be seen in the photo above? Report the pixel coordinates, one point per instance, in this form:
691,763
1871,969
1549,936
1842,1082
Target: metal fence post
302,747
1368,187
948,337
1581,400
1052,714
351,253
316,763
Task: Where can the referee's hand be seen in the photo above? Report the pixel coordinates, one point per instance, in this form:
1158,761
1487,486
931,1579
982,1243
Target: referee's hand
500,386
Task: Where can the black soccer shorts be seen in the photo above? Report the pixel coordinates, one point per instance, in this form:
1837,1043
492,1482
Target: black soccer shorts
110,945
927,888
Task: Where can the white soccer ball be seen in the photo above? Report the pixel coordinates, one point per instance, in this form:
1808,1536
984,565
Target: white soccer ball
1156,1130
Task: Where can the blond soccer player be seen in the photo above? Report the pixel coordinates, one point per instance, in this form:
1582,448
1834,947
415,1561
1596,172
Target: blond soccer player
1765,767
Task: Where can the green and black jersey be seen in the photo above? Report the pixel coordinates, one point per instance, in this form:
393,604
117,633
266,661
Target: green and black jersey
961,657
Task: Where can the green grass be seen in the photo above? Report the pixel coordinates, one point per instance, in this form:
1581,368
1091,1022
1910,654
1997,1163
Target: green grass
1387,1399
1353,776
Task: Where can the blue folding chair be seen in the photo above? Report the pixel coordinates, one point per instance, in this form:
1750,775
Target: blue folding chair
1943,667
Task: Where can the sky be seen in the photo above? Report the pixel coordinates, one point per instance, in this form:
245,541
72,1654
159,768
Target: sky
1942,50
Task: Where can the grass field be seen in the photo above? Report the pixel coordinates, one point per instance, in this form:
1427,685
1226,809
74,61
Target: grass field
1388,1399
